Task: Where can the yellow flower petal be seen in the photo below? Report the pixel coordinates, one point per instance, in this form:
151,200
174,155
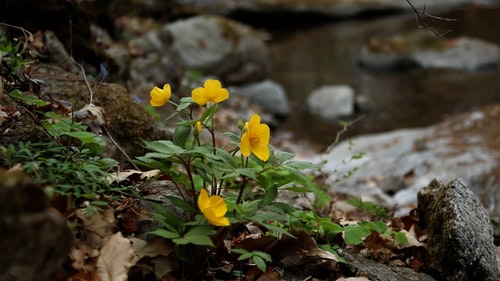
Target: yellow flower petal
213,208
262,152
211,92
198,96
160,96
245,144
256,138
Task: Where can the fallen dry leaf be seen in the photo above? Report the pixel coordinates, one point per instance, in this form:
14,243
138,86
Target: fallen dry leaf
124,175
158,247
115,257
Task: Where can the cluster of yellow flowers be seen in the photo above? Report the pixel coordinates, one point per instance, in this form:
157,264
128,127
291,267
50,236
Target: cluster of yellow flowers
255,139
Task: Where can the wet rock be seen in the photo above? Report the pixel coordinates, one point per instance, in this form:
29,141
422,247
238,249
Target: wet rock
35,240
234,52
424,49
330,102
361,266
460,235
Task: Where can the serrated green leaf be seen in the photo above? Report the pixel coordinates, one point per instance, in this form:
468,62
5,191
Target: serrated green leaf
283,156
300,165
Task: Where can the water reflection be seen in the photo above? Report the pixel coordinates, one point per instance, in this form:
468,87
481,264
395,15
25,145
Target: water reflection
308,58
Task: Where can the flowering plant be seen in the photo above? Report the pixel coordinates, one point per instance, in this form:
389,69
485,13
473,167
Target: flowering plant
221,187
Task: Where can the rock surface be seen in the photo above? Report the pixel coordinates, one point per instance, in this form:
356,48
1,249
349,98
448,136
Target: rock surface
397,164
424,49
460,240
362,266
35,240
232,51
330,102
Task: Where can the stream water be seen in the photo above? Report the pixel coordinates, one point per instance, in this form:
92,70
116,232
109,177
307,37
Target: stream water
305,57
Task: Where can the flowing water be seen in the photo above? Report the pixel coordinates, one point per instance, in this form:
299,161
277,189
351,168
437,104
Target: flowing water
306,57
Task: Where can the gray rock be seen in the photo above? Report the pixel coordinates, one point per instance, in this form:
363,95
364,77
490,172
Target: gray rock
234,52
361,266
267,94
465,53
424,49
460,235
330,102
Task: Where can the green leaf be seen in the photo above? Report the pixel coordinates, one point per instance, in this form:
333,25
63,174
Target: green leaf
83,136
400,238
260,263
209,112
234,137
283,156
378,226
165,147
181,203
165,234
271,194
277,229
331,229
262,217
329,248
300,165
200,236
181,135
354,234
20,96
184,103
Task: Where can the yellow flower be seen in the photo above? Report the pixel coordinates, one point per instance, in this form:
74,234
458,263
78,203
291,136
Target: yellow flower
255,139
160,97
211,92
213,208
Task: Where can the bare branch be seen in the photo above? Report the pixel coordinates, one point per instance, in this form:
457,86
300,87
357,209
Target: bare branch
421,17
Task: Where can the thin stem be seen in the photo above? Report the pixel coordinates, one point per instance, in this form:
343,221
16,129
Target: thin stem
243,183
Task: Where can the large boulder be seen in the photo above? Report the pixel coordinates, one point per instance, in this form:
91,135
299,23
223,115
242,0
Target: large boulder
234,52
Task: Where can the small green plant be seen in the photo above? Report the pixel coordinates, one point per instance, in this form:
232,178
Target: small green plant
371,208
223,185
69,164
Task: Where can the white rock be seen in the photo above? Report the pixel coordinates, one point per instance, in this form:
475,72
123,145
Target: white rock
330,102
